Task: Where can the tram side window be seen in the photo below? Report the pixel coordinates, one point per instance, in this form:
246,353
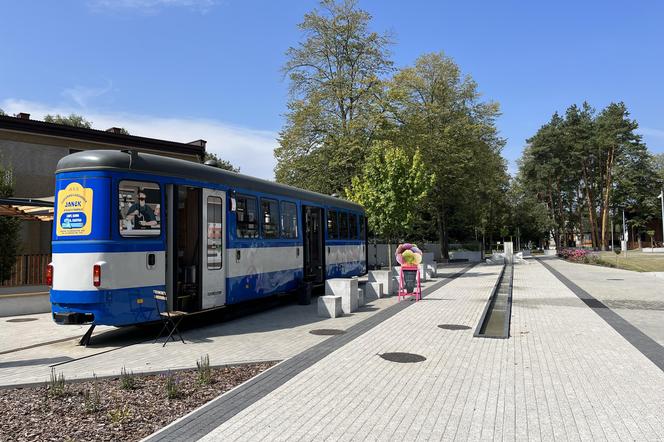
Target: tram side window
139,209
288,220
214,233
352,221
247,225
270,211
363,228
343,225
332,225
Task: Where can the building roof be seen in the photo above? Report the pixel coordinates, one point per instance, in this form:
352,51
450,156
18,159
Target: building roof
26,125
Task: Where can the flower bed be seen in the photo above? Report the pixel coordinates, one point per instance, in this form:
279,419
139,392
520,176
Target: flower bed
126,408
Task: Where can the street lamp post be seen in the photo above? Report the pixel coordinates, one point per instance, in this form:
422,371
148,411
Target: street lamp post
661,196
624,234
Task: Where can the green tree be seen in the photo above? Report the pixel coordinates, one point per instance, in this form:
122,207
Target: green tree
333,113
584,166
391,187
434,108
9,229
2,113
221,164
71,120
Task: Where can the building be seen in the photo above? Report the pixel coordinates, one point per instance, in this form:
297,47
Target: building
30,151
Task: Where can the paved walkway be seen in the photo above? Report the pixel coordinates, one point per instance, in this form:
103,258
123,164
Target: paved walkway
29,350
637,297
565,374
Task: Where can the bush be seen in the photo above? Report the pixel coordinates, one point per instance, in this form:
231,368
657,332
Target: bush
578,255
172,388
127,379
204,370
57,387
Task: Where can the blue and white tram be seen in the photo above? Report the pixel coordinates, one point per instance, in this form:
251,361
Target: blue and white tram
128,223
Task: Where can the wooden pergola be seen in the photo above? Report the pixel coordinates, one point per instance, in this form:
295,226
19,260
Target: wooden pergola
31,209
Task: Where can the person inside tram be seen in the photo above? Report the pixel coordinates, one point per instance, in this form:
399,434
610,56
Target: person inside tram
140,214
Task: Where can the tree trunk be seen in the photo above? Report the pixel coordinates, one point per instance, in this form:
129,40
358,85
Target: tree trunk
592,216
605,202
442,224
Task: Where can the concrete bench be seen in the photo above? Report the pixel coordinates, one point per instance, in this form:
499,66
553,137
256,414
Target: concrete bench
329,306
347,288
390,285
372,291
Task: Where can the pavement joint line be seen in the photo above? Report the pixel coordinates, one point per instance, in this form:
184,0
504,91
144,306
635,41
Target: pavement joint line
225,406
642,342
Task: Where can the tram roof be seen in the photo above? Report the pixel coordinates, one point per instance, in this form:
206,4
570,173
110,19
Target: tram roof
160,165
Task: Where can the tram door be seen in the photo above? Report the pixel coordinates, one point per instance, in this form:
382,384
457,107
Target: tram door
213,281
314,264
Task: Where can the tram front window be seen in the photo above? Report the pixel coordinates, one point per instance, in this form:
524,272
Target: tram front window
139,208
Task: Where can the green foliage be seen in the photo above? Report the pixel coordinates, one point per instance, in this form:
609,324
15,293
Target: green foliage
127,379
334,110
119,415
204,370
221,164
584,166
2,113
391,187
9,229
57,386
70,120
435,108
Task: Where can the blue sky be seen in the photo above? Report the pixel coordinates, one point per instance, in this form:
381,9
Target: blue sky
189,69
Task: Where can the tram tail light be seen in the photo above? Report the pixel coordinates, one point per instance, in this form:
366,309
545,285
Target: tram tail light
49,275
96,275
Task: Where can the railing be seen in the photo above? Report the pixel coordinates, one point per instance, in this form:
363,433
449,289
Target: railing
28,270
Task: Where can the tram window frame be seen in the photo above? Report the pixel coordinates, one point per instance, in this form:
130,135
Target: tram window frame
363,228
220,218
274,220
343,225
332,224
352,226
146,233
240,200
288,234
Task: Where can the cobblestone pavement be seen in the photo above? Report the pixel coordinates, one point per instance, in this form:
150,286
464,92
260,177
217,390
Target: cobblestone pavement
32,348
564,374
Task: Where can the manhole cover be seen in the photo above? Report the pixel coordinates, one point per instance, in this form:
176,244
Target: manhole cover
327,332
403,357
21,320
453,327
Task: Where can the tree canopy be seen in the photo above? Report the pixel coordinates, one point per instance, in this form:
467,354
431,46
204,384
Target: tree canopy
221,164
585,166
335,87
69,120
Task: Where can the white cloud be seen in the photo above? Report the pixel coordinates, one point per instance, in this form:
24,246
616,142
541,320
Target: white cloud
151,6
250,149
81,95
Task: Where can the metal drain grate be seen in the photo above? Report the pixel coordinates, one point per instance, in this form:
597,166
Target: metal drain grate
327,332
404,358
21,320
453,327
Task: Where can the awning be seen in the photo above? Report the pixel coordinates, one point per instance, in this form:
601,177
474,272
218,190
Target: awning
34,209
